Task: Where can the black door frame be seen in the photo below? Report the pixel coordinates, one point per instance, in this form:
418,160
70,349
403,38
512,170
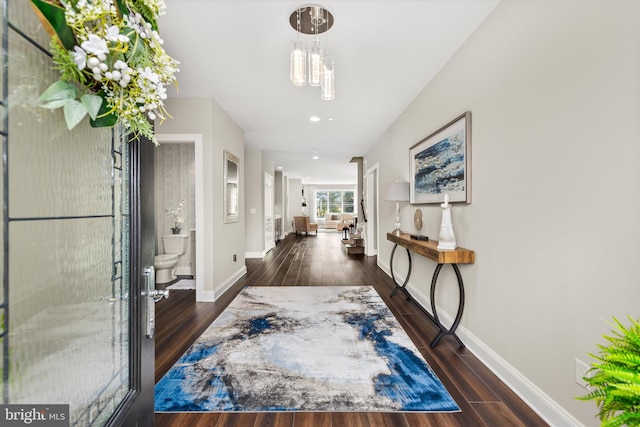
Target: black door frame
137,407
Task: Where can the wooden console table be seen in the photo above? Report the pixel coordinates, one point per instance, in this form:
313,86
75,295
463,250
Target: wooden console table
429,249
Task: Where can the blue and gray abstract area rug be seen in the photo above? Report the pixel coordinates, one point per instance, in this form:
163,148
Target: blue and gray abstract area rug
291,348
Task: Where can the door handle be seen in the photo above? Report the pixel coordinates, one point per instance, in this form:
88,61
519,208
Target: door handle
152,295
158,294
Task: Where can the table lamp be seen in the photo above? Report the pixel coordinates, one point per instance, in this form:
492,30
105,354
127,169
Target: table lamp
397,191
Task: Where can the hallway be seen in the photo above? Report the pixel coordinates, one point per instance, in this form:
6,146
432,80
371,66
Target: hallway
319,260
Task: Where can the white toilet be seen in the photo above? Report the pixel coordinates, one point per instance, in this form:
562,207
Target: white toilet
175,245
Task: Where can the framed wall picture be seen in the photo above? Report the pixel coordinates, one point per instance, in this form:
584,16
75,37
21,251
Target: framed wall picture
231,183
441,163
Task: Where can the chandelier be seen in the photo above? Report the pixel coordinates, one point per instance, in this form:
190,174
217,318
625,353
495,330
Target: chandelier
309,60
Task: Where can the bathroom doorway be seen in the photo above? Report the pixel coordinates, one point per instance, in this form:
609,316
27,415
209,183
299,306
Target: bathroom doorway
179,179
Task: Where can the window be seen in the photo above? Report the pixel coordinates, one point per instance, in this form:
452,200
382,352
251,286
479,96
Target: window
334,202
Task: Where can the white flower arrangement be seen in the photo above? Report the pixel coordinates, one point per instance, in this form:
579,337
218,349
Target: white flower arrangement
112,63
176,214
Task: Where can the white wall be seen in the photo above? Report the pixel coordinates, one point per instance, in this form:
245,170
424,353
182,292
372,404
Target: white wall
257,164
254,211
278,185
554,89
308,210
222,241
294,200
286,214
279,197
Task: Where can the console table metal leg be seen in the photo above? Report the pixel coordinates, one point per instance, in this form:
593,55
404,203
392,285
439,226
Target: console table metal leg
393,251
444,331
434,312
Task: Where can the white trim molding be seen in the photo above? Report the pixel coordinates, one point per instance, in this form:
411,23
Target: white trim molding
212,296
255,254
372,231
224,287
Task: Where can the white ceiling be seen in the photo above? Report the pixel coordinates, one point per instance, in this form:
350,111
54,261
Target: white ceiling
237,52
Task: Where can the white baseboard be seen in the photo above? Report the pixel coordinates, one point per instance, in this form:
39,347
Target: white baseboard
255,254
547,408
205,296
211,296
183,271
224,287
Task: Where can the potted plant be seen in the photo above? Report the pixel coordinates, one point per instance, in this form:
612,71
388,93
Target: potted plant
176,216
614,377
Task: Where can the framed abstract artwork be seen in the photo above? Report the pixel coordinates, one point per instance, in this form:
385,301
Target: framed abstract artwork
441,163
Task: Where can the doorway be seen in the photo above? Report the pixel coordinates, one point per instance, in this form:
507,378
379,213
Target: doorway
200,232
175,200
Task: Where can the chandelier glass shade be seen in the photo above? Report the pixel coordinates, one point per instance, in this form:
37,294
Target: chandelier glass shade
327,89
298,64
315,62
309,62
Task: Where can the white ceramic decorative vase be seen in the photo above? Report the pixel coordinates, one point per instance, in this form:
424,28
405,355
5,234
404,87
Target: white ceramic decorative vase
446,238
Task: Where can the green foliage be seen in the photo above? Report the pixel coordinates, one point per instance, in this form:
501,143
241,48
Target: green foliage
142,127
147,14
139,55
75,106
54,15
105,116
616,382
122,6
64,63
112,66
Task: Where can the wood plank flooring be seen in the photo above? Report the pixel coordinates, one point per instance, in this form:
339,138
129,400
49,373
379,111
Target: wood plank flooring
319,260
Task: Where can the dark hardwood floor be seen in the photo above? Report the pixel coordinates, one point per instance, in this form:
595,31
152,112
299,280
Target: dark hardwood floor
319,260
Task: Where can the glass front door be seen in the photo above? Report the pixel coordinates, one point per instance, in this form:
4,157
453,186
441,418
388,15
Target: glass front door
67,307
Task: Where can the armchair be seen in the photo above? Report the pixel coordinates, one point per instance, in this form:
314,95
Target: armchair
302,223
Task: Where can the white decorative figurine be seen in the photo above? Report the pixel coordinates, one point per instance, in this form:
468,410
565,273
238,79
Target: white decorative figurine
446,238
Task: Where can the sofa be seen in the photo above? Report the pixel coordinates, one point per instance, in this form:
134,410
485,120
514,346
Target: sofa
336,221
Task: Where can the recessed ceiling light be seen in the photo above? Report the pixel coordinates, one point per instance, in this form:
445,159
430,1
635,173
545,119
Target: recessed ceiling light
315,157
330,119
279,168
314,118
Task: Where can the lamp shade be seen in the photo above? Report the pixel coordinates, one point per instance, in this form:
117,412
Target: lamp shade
397,191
